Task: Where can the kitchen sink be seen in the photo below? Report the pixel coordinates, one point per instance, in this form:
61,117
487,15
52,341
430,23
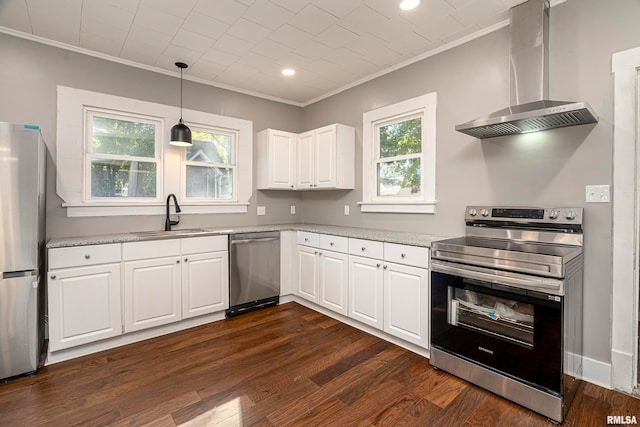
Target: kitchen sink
172,233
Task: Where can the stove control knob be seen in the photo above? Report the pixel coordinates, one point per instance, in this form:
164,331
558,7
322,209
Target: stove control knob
570,215
484,212
553,214
473,212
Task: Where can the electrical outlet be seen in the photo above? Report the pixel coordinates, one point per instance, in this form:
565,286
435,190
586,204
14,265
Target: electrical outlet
597,194
262,210
293,209
346,209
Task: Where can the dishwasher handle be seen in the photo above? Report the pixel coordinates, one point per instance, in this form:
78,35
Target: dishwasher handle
260,239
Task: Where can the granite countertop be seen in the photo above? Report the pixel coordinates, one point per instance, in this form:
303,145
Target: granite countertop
401,237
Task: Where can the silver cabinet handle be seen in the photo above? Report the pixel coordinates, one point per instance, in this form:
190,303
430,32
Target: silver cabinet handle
87,256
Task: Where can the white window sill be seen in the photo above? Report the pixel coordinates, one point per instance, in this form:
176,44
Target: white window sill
93,210
399,207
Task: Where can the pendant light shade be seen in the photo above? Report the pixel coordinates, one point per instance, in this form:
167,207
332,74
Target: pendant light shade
180,133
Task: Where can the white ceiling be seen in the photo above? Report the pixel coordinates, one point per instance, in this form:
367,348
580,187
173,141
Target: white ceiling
244,44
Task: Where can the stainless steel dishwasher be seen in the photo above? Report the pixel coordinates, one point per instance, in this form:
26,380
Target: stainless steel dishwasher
254,271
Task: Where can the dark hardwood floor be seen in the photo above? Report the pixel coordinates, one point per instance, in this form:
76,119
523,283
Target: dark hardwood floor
280,366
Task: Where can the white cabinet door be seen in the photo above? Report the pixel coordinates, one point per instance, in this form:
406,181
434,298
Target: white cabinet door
366,290
276,159
406,303
306,161
84,305
325,155
333,281
308,273
152,293
205,283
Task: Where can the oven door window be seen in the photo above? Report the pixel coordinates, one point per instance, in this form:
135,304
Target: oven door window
515,332
504,318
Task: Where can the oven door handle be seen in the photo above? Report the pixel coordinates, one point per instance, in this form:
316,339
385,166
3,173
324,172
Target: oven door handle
540,284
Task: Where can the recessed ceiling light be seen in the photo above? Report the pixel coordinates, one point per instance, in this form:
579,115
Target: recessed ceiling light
288,72
409,4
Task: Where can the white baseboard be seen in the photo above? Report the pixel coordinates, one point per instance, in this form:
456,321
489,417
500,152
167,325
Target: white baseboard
596,372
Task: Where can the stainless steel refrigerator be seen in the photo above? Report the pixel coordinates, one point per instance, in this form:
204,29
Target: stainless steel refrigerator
22,204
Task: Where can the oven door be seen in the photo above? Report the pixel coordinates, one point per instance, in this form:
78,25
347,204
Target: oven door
516,332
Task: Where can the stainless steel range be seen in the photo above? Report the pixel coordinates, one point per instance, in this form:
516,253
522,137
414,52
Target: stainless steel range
506,304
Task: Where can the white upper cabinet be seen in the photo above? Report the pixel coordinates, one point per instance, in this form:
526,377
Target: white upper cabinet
320,159
276,160
326,158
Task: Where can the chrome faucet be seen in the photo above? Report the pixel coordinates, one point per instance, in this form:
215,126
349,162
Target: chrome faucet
167,222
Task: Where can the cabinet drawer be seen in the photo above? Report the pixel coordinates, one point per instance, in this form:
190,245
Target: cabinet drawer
308,239
334,243
416,256
366,248
197,245
78,256
150,249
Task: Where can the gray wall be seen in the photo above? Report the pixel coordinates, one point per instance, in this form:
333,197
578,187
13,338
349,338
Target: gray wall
471,80
549,168
29,76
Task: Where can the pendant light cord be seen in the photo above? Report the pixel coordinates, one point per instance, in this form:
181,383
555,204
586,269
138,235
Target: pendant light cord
180,94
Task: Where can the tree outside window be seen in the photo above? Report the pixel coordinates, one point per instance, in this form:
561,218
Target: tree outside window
122,156
399,161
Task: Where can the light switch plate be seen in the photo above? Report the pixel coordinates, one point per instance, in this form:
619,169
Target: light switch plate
293,209
262,210
346,209
597,194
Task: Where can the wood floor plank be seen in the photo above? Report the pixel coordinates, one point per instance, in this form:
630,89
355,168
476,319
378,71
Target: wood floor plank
280,366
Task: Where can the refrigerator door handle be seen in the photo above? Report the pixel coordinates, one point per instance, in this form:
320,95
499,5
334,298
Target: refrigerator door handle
12,274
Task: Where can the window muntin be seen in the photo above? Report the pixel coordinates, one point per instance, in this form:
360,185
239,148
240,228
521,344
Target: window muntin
210,165
399,157
122,156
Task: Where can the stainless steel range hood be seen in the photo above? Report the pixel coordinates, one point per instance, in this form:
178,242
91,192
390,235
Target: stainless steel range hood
530,109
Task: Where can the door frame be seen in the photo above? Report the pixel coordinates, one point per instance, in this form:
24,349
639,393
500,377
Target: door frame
625,66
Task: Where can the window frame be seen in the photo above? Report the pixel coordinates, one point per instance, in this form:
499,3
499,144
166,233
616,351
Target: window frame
233,165
89,154
70,157
422,106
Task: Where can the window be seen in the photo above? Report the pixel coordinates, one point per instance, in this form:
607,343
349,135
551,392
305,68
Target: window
399,157
113,158
122,156
209,166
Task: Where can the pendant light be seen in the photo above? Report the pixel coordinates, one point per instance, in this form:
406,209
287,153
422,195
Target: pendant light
180,133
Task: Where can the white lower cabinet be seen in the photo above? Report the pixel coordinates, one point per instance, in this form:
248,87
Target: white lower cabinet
205,283
152,293
307,273
390,296
333,281
406,303
323,272
83,295
169,280
365,290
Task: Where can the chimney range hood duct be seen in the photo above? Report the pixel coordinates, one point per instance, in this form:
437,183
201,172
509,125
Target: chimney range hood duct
530,110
